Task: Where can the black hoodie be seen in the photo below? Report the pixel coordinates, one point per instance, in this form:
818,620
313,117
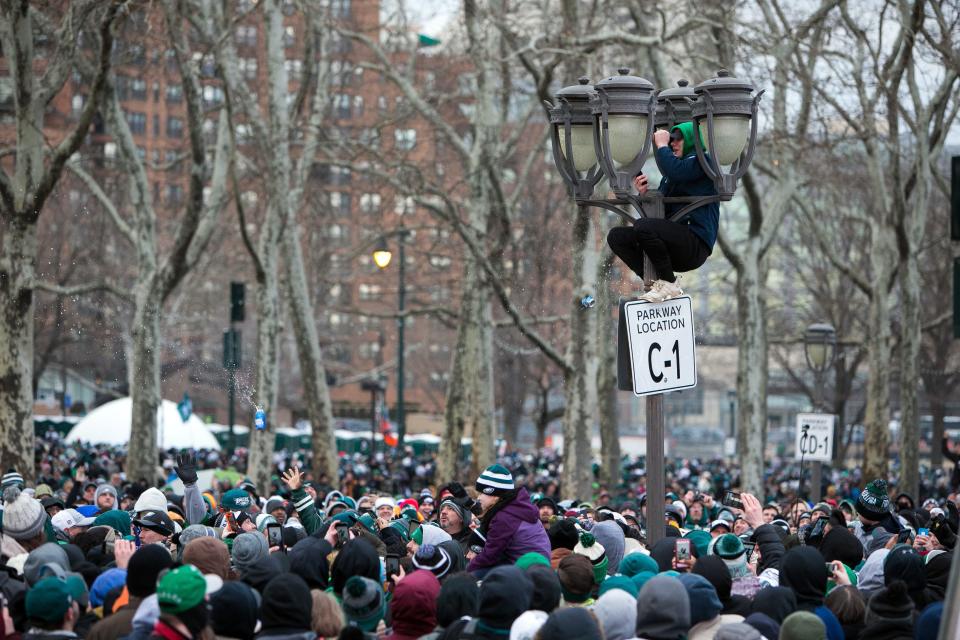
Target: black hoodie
287,606
803,569
775,602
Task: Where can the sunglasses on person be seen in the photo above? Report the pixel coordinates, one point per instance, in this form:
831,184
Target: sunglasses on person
676,136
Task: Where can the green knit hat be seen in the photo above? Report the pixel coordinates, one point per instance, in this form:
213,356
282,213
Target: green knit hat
701,540
619,582
728,547
368,522
495,480
637,562
802,625
117,520
874,500
529,559
594,551
181,589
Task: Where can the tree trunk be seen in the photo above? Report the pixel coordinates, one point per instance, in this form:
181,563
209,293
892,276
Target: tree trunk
581,384
16,347
464,413
312,372
938,409
145,395
877,417
260,460
752,368
607,375
910,336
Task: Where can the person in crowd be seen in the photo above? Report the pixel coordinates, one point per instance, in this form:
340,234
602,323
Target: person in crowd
510,523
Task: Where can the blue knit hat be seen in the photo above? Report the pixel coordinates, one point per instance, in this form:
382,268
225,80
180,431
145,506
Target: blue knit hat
495,480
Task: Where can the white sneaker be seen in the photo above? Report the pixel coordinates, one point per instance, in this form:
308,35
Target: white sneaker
662,290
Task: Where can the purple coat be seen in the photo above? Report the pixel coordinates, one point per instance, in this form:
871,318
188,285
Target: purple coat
514,531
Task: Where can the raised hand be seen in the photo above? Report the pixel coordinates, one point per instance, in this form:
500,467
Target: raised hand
186,468
122,551
293,478
752,510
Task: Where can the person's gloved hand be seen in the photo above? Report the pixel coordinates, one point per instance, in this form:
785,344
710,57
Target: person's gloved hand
953,516
941,529
186,468
457,490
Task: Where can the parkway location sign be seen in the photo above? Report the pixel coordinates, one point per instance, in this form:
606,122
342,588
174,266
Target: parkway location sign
662,349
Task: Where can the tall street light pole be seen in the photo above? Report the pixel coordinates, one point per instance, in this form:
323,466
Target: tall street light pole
819,349
382,257
606,131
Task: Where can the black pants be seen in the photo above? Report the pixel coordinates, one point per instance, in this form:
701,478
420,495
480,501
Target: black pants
671,246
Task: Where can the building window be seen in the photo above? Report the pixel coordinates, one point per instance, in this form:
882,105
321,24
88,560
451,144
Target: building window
156,91
369,350
339,175
369,136
369,291
76,103
439,378
406,139
341,106
370,202
212,95
337,232
248,67
109,150
340,8
174,127
357,106
247,36
403,205
440,262
174,93
156,124
174,194
289,36
138,88
137,121
294,68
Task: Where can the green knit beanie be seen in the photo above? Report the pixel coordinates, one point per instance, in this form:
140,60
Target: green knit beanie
495,480
803,625
527,560
637,562
619,582
874,500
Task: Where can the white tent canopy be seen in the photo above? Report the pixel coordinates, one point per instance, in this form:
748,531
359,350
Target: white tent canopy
110,424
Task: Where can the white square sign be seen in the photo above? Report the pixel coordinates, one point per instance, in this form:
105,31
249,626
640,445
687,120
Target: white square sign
814,437
662,347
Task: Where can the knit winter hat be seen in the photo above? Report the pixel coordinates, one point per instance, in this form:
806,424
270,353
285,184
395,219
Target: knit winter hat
117,520
495,480
616,612
577,577
105,583
563,534
528,559
526,626
610,536
11,479
181,589
619,582
594,551
23,516
634,563
571,622
802,625
546,588
103,488
433,559
728,547
737,631
145,565
704,602
151,500
234,610
247,549
874,501
49,600
363,603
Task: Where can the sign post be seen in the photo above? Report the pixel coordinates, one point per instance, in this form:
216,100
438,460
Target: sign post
814,441
656,354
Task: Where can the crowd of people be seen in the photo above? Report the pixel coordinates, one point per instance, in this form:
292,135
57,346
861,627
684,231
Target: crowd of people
91,554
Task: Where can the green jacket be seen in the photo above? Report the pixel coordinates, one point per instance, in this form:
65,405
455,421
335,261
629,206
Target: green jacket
307,510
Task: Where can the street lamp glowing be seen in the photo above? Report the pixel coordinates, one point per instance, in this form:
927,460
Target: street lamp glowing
382,254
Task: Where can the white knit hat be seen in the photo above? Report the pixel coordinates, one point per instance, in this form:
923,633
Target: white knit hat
151,500
525,627
23,516
384,501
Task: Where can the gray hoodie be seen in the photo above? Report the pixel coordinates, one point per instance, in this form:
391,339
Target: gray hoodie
617,612
663,609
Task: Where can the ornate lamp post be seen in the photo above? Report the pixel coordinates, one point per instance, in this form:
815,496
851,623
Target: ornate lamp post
819,349
606,130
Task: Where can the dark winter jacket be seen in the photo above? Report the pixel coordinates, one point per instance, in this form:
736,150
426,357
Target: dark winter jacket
771,547
685,177
514,531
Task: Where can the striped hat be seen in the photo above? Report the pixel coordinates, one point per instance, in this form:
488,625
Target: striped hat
495,481
11,478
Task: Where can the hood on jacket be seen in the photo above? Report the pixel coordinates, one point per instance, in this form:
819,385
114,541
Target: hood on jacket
413,609
504,595
714,569
686,129
546,588
617,612
287,605
870,577
663,609
521,508
704,603
459,597
356,558
574,622
840,544
308,559
775,602
610,536
803,569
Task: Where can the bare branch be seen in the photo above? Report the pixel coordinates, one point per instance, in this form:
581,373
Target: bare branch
125,230
80,289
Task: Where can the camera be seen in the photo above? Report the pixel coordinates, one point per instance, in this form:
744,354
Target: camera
732,499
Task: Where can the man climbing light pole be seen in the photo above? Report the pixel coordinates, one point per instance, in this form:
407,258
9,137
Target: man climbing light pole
618,116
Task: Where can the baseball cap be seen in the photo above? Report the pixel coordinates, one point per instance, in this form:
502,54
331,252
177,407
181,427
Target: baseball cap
719,523
70,518
236,500
181,589
157,521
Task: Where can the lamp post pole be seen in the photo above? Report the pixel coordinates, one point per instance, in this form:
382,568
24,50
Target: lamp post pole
819,348
401,325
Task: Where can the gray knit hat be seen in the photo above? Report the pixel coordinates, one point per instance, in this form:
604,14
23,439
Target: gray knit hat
363,603
23,516
248,548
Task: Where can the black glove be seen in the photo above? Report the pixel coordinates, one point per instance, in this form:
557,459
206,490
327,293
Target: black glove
457,490
953,516
186,469
941,529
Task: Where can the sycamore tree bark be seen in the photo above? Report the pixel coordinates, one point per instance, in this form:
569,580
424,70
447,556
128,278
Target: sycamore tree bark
284,182
158,273
607,390
899,124
35,172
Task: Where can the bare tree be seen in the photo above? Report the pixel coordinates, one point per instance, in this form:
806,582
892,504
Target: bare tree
36,171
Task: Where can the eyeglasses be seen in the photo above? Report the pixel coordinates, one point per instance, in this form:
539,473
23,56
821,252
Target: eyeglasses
676,136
